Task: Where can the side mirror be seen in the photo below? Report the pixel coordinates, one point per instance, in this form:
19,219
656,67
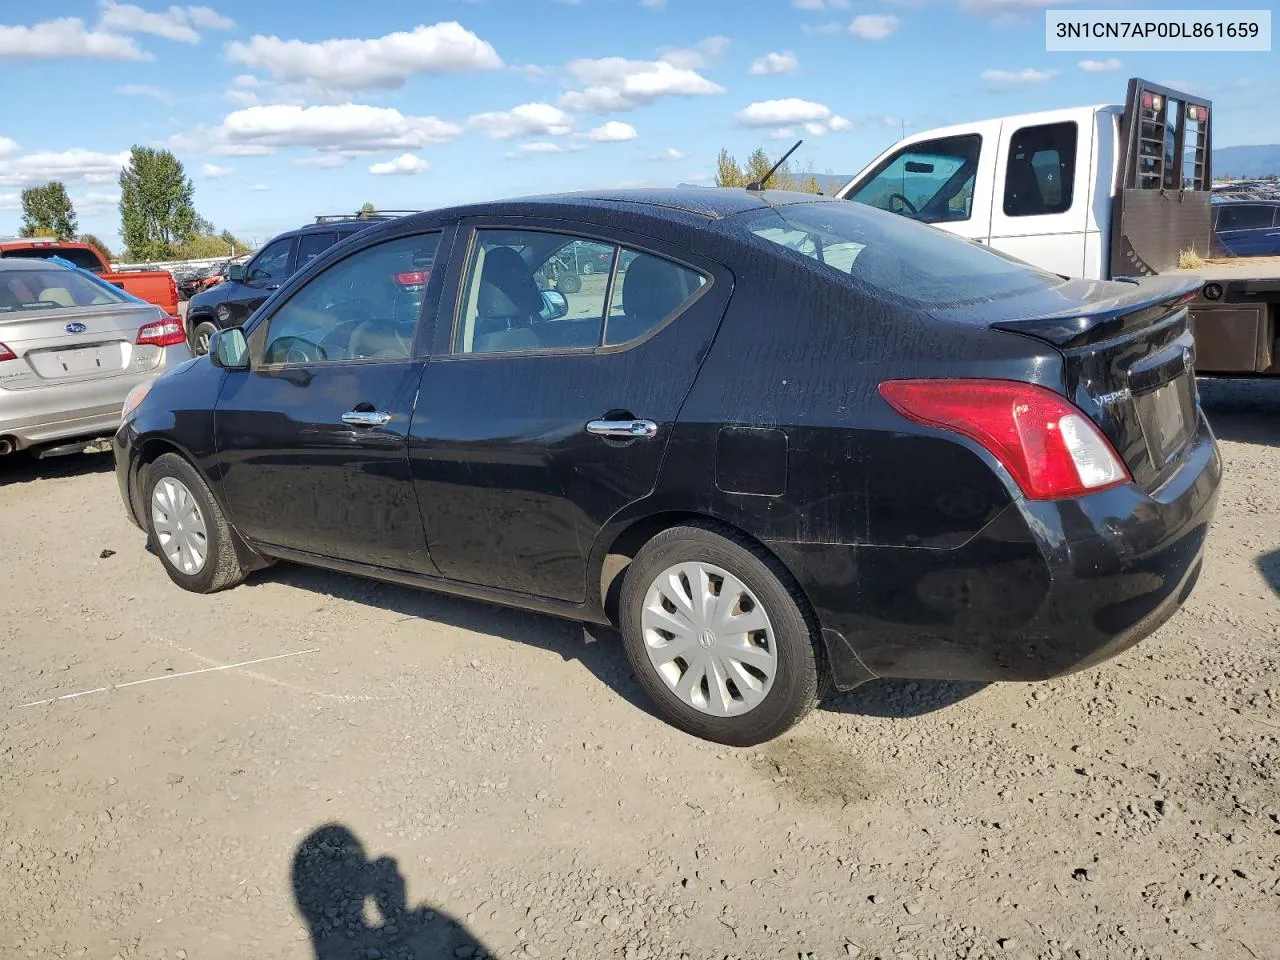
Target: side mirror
235,272
229,350
554,305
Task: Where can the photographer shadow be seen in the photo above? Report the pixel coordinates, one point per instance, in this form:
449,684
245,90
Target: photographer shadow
355,908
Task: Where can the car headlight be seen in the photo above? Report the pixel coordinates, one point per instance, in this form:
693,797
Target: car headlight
134,398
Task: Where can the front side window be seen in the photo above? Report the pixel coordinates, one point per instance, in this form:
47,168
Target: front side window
930,181
1041,172
311,245
534,290
272,263
902,260
365,307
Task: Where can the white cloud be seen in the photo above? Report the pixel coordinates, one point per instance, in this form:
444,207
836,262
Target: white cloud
540,147
782,133
243,98
1100,66
64,39
246,81
528,119
1029,75
874,26
820,4
174,23
774,63
616,84
828,29
94,203
671,153
404,165
142,90
816,118
701,54
10,201
8,147
383,63
1009,6
615,131
350,128
323,160
259,187
211,171
70,166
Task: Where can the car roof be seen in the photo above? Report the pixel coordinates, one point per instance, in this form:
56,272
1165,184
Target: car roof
28,263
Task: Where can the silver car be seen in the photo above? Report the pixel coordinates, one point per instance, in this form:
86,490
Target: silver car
72,347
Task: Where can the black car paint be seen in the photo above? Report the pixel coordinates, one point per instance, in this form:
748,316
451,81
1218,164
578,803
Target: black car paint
917,554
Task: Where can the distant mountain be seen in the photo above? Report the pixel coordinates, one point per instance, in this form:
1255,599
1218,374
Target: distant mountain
1247,162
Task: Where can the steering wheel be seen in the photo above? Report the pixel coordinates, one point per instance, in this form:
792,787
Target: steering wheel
905,202
295,350
384,340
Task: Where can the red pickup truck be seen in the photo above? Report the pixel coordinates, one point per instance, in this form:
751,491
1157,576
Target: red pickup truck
153,286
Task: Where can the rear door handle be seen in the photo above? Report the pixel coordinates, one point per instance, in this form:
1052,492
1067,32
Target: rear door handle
366,418
624,429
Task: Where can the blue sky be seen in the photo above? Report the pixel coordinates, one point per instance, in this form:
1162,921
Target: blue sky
283,109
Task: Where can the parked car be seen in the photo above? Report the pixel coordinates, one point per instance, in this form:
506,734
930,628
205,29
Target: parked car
247,286
153,286
72,346
1248,228
802,441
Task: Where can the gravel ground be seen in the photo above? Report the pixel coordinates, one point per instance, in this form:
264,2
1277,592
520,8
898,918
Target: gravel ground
426,777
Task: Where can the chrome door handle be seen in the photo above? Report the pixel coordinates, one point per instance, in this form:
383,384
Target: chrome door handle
628,429
366,418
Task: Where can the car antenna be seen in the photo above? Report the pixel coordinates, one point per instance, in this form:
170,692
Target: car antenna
759,184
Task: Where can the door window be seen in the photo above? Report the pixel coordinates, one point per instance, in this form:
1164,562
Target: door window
649,289
272,263
1041,172
930,181
311,245
1245,216
365,307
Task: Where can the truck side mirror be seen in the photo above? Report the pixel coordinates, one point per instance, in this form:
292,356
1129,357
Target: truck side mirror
235,272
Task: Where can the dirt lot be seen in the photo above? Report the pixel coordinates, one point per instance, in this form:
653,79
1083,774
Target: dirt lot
493,782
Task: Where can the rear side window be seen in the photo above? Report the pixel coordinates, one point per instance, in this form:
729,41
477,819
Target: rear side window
1041,171
1246,216
900,259
311,245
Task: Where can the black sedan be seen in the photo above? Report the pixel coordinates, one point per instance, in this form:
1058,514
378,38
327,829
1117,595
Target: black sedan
788,442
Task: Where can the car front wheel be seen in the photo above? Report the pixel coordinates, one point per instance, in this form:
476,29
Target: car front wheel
200,337
718,637
187,528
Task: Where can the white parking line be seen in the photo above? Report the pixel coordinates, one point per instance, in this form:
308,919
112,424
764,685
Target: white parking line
171,676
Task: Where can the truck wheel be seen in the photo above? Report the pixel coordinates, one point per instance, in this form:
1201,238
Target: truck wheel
200,338
569,283
717,635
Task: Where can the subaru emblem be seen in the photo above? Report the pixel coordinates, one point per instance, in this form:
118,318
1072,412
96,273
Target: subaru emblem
76,328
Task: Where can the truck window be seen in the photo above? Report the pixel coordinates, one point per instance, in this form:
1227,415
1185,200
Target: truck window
84,259
1041,172
1245,216
930,181
311,245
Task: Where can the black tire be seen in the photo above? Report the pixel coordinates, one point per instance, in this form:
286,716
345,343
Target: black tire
569,283
801,660
200,335
222,567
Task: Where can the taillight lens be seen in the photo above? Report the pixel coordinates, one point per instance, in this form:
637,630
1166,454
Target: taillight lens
6,353
414,278
1051,449
162,333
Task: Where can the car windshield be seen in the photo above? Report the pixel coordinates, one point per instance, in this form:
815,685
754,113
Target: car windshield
52,290
895,256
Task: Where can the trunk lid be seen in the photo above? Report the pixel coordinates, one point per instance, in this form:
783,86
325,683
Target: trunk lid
74,344
1129,360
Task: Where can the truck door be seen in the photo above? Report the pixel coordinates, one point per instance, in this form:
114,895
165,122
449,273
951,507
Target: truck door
945,178
1041,204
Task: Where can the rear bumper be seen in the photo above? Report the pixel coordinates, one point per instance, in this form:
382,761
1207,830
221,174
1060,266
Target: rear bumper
72,411
1046,589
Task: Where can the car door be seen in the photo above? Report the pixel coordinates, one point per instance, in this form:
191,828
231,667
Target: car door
542,413
263,275
947,181
311,440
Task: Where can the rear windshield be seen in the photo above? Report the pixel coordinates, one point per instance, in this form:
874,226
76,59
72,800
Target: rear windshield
52,290
84,259
896,256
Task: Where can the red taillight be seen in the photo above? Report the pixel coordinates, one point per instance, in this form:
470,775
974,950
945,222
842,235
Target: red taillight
1048,445
6,353
414,278
162,333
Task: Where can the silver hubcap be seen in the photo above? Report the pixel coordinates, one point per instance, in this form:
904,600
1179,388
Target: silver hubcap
179,526
202,339
709,638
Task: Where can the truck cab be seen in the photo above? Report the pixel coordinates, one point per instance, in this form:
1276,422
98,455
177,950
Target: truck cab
1102,192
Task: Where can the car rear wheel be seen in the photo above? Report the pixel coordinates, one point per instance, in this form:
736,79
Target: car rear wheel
200,337
718,637
187,528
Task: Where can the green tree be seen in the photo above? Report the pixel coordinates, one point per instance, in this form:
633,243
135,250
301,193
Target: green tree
367,208
93,241
728,173
207,242
47,212
156,212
